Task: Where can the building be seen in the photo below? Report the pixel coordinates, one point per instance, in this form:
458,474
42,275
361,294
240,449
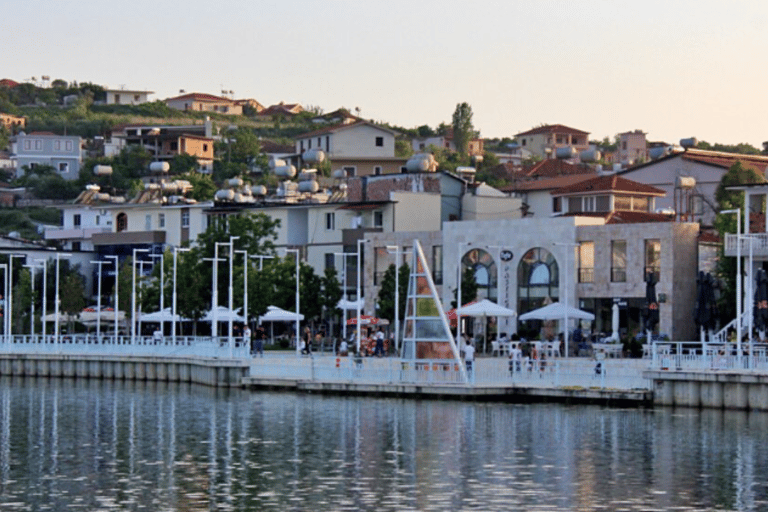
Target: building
360,148
282,110
445,141
13,124
544,141
62,152
632,148
126,97
201,102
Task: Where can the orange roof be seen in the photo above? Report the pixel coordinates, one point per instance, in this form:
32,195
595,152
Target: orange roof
546,183
555,167
612,183
553,128
726,160
199,96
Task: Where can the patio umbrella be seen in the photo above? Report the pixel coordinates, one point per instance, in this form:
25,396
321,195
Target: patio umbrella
556,311
651,310
761,300
705,311
224,314
276,314
485,308
165,315
452,316
615,322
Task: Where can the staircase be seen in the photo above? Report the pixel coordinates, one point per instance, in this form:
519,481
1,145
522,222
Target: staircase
721,336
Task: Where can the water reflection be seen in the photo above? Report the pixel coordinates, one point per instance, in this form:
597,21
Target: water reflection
104,445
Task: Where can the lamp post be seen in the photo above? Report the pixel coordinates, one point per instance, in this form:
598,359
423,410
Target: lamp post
570,246
141,295
10,291
344,256
57,301
739,298
114,305
45,295
133,295
359,273
162,290
458,294
4,267
396,249
100,263
261,258
176,251
298,347
231,245
32,302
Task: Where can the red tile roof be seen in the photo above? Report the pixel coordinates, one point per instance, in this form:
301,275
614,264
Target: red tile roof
625,217
757,162
612,183
553,128
199,96
7,82
546,183
555,167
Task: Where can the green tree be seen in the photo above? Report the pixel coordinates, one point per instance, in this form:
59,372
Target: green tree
331,293
468,287
203,187
463,130
738,174
183,164
72,296
403,148
22,300
386,296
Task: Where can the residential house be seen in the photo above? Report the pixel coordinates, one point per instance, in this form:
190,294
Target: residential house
201,102
126,97
632,148
62,152
360,148
12,123
690,179
544,141
282,110
608,195
165,141
255,105
446,141
338,116
536,197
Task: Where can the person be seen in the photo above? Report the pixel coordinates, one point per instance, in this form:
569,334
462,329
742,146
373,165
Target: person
343,348
247,338
157,336
306,342
259,342
379,351
469,357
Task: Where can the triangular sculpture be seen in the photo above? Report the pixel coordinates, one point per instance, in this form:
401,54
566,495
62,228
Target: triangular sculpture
427,335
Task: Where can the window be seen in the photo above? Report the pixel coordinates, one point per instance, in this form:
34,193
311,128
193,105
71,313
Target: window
350,172
437,264
63,167
68,145
378,219
148,222
57,145
330,260
618,261
28,145
484,268
557,204
586,262
319,142
38,145
653,258
76,219
122,222
205,148
76,246
330,221
301,146
537,279
117,99
522,143
161,220
377,170
379,142
327,144
588,204
185,218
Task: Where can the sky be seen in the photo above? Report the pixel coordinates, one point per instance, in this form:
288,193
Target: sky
674,69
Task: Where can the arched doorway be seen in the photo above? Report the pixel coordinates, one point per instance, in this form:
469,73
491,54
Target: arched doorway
486,275
537,280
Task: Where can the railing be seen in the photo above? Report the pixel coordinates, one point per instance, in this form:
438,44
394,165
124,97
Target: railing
109,345
618,274
586,275
693,356
759,244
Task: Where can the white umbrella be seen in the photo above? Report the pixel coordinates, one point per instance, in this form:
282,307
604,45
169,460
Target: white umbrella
163,316
223,315
351,304
485,308
556,311
615,322
276,314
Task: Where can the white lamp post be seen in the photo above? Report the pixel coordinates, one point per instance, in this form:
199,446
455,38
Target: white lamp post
57,301
176,251
244,252
117,275
396,249
162,290
570,246
45,295
458,294
133,295
298,334
344,256
4,267
10,291
100,263
359,274
32,302
739,298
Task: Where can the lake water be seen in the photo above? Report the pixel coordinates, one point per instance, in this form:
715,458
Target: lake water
112,445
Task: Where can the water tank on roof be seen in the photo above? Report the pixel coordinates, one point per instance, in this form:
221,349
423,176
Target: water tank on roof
590,155
657,152
685,182
309,186
313,155
159,167
689,142
102,170
259,190
276,162
117,199
599,168
565,153
93,188
151,186
235,182
225,194
616,167
285,171
308,175
465,170
420,162
101,196
339,174
170,187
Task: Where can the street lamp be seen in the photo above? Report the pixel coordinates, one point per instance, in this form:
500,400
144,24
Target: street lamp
32,302
176,251
100,263
739,298
396,249
359,273
344,256
567,282
298,347
45,294
162,290
133,295
231,245
458,294
117,275
56,322
4,267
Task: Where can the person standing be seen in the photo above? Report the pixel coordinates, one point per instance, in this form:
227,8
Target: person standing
469,359
259,342
379,350
247,338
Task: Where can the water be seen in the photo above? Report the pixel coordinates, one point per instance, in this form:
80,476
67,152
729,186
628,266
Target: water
105,445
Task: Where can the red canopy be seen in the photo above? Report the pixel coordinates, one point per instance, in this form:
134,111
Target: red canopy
364,320
451,315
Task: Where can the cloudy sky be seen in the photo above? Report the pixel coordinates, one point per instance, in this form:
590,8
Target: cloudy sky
672,68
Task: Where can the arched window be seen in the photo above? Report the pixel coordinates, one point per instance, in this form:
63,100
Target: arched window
484,268
122,222
537,279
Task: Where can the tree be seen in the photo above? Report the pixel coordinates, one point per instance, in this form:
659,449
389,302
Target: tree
183,163
203,187
386,297
463,131
738,174
72,296
22,300
331,292
468,287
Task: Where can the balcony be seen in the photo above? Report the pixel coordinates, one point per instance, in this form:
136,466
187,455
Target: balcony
759,244
74,233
